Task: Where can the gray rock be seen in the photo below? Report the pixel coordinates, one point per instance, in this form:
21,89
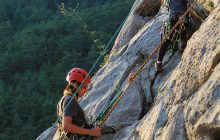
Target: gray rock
180,103
134,24
129,108
175,126
202,113
146,128
116,72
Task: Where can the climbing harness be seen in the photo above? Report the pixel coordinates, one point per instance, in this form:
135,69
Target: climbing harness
177,35
176,41
63,134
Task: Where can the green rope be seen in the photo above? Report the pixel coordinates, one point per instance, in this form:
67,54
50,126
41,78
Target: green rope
103,113
118,91
105,50
108,105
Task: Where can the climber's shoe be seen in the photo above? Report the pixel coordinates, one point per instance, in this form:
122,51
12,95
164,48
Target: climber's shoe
158,67
111,129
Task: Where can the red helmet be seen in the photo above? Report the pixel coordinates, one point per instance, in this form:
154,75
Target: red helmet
78,75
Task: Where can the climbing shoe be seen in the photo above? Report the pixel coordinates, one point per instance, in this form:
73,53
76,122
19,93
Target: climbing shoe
111,129
158,67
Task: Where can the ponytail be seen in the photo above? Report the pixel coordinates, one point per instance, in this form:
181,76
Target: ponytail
71,88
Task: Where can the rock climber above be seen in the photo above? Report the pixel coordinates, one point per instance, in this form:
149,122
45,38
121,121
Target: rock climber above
176,9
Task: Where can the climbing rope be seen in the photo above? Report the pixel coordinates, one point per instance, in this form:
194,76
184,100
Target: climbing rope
114,104
117,86
194,12
93,67
116,100
99,58
116,91
111,100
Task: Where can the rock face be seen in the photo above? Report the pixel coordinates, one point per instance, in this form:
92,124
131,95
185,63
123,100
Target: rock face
182,103
141,13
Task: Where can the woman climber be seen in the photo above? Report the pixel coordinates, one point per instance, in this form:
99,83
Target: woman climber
176,9
73,124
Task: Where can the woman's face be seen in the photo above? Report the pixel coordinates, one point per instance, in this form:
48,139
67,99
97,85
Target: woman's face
83,90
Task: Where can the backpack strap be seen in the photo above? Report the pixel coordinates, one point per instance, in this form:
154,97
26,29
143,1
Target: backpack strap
59,108
63,134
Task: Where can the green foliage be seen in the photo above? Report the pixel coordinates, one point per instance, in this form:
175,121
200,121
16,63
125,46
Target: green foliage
105,61
210,4
117,88
38,46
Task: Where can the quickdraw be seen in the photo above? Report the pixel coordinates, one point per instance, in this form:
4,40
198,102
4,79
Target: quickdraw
177,35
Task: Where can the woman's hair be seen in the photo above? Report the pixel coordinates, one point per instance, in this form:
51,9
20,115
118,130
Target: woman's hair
72,86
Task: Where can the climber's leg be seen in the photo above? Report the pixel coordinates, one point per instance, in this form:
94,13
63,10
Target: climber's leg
163,49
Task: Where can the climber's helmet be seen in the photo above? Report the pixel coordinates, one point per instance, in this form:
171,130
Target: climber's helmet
78,74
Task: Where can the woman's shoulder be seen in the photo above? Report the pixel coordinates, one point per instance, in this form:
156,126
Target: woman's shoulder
69,98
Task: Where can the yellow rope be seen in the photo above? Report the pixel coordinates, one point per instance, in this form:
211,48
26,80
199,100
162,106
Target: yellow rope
196,14
102,122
